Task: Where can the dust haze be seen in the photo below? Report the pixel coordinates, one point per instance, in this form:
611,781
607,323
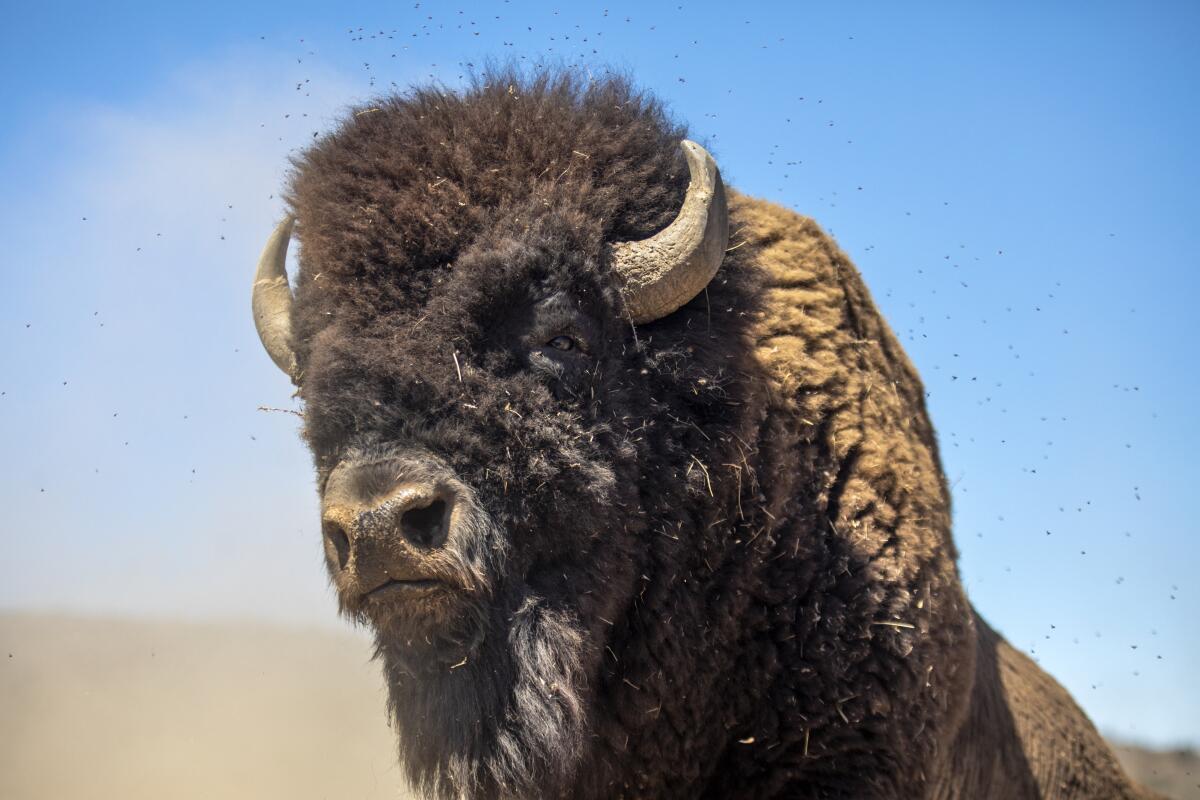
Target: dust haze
101,708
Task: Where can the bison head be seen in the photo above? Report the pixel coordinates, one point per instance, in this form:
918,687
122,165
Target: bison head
518,371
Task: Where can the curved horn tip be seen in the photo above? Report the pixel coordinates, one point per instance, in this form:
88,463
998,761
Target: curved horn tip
272,300
694,147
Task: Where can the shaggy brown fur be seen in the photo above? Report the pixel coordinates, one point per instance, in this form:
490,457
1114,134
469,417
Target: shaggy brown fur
1018,733
713,554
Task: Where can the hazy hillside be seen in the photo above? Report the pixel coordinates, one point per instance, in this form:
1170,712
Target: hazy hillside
97,708
1175,773
114,709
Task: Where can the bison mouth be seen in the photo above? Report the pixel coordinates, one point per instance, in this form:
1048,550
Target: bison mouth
403,589
418,608
410,593
425,622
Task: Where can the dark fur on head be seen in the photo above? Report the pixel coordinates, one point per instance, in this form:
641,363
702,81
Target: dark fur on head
714,552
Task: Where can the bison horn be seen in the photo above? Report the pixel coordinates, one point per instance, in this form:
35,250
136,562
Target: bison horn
660,274
272,300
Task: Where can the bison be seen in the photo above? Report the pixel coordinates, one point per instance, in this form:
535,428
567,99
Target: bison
634,486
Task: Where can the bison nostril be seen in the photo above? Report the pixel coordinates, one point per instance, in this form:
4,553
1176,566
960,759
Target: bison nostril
336,536
426,527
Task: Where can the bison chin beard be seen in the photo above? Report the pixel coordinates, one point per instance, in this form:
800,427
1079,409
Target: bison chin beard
508,721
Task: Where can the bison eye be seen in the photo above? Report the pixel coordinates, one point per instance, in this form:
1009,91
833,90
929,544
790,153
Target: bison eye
562,343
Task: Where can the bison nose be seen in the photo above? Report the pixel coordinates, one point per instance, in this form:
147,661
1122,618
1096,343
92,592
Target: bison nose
337,537
425,523
417,513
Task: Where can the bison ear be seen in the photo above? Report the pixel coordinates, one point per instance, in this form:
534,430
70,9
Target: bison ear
662,273
272,300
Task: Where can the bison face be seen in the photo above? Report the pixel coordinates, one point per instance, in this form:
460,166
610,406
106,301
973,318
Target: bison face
497,447
467,455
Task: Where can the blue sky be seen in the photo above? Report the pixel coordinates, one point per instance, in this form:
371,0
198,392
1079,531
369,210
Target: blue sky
1017,182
